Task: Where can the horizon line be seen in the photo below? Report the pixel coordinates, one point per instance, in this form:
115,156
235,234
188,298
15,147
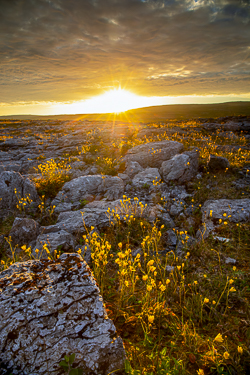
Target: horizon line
121,112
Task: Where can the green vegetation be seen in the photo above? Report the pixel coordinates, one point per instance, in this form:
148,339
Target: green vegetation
54,176
185,314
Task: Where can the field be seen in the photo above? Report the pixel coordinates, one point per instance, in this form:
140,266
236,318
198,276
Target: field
178,298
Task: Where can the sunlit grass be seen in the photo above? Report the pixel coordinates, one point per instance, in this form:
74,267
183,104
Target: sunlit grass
176,315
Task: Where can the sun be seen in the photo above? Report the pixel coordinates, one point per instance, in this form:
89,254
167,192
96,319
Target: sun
116,101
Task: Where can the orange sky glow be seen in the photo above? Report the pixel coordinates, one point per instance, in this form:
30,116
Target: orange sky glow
89,56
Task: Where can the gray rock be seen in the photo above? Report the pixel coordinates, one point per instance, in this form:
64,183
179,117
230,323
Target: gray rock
9,181
75,191
93,214
154,212
169,269
14,167
133,168
179,192
24,232
61,240
216,163
176,209
14,143
229,260
172,239
167,221
154,153
125,178
145,179
181,168
52,308
236,210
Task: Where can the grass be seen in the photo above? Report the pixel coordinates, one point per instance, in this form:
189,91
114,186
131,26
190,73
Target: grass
54,175
195,318
178,314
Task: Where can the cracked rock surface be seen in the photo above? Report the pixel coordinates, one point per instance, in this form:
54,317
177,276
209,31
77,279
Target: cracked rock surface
49,309
9,181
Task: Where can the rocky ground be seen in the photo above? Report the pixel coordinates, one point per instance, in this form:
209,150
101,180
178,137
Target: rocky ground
61,181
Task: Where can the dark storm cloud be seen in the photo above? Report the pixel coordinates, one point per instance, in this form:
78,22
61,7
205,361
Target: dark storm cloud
61,49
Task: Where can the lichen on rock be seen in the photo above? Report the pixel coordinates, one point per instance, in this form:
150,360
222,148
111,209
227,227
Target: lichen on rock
49,309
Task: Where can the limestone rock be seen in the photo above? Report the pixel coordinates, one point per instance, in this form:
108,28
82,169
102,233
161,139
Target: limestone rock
93,214
49,309
167,221
154,153
9,181
154,213
75,191
55,240
133,168
24,232
176,209
171,239
235,210
216,163
146,177
181,168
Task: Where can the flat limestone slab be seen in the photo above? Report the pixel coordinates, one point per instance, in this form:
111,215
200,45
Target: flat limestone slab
49,309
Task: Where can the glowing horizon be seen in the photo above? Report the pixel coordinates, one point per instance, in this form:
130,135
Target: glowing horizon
116,100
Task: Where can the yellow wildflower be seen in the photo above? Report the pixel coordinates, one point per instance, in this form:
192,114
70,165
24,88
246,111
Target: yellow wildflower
162,288
150,263
226,355
219,338
151,318
240,350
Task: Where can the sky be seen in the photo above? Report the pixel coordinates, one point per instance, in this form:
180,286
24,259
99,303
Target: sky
61,56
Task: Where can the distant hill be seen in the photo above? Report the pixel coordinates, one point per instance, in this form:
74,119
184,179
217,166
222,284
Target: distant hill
155,113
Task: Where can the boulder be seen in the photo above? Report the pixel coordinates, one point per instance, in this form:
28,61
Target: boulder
133,168
171,238
24,232
226,210
75,191
9,181
167,221
176,209
154,153
216,163
154,212
49,309
58,240
75,222
181,168
16,167
145,178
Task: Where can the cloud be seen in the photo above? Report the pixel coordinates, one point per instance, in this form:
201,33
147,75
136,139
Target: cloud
71,50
